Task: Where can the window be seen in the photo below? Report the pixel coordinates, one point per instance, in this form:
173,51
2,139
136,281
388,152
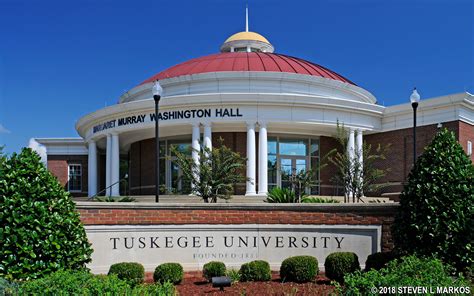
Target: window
469,148
75,178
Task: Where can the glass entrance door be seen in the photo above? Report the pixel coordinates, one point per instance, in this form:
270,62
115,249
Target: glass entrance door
289,166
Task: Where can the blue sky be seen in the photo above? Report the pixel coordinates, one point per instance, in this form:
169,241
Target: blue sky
60,60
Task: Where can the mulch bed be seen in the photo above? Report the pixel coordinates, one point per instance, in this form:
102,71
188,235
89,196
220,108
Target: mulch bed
195,284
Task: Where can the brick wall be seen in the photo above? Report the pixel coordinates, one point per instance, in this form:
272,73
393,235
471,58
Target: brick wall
58,166
466,133
146,214
400,157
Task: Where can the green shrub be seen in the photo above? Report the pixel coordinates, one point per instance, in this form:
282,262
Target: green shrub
436,213
85,283
338,264
405,272
233,274
41,230
168,272
281,195
299,269
132,272
8,288
255,271
115,199
379,260
212,269
318,200
74,283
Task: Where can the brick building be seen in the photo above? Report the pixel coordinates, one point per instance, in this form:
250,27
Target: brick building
278,111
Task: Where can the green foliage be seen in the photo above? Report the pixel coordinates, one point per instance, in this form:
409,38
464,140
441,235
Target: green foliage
85,283
212,269
357,178
8,288
168,272
339,264
255,271
41,231
300,181
405,272
281,195
115,199
216,172
299,269
233,274
318,200
379,260
132,272
436,214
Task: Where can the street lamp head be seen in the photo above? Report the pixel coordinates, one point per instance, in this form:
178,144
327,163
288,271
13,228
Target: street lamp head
157,89
415,96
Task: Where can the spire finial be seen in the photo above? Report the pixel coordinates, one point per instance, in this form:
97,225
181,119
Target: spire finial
246,18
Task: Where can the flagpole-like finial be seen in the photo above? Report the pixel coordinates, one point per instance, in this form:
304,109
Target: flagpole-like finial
246,18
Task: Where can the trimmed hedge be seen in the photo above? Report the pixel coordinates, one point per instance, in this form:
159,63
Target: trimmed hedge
168,272
212,269
339,264
132,272
379,260
255,271
299,269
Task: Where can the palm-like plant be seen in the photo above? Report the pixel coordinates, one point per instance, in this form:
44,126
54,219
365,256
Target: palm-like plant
281,195
216,172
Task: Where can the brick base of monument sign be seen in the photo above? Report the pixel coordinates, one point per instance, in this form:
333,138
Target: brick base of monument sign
194,234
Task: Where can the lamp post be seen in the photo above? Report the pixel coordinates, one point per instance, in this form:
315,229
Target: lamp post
157,91
414,99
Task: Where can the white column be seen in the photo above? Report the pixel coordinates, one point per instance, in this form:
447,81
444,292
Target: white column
196,145
207,142
250,159
351,153
92,169
360,154
108,165
351,145
115,165
262,159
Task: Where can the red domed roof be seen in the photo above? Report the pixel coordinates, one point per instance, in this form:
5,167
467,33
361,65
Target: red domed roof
247,61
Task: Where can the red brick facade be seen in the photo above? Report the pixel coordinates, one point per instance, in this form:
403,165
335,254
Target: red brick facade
58,166
374,214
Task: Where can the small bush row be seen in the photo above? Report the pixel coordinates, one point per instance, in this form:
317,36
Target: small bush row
81,282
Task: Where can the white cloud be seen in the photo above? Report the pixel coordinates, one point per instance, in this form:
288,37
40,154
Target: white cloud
40,149
3,130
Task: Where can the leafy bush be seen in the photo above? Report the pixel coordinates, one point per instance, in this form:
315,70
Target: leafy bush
255,271
281,195
233,274
168,272
8,288
115,199
436,213
299,269
212,269
408,271
41,230
319,200
379,260
338,264
85,283
131,272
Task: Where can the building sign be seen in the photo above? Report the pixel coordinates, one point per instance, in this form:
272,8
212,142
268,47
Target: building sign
168,115
194,245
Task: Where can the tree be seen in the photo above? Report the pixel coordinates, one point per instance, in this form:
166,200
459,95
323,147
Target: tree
40,230
356,177
300,181
215,174
436,214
